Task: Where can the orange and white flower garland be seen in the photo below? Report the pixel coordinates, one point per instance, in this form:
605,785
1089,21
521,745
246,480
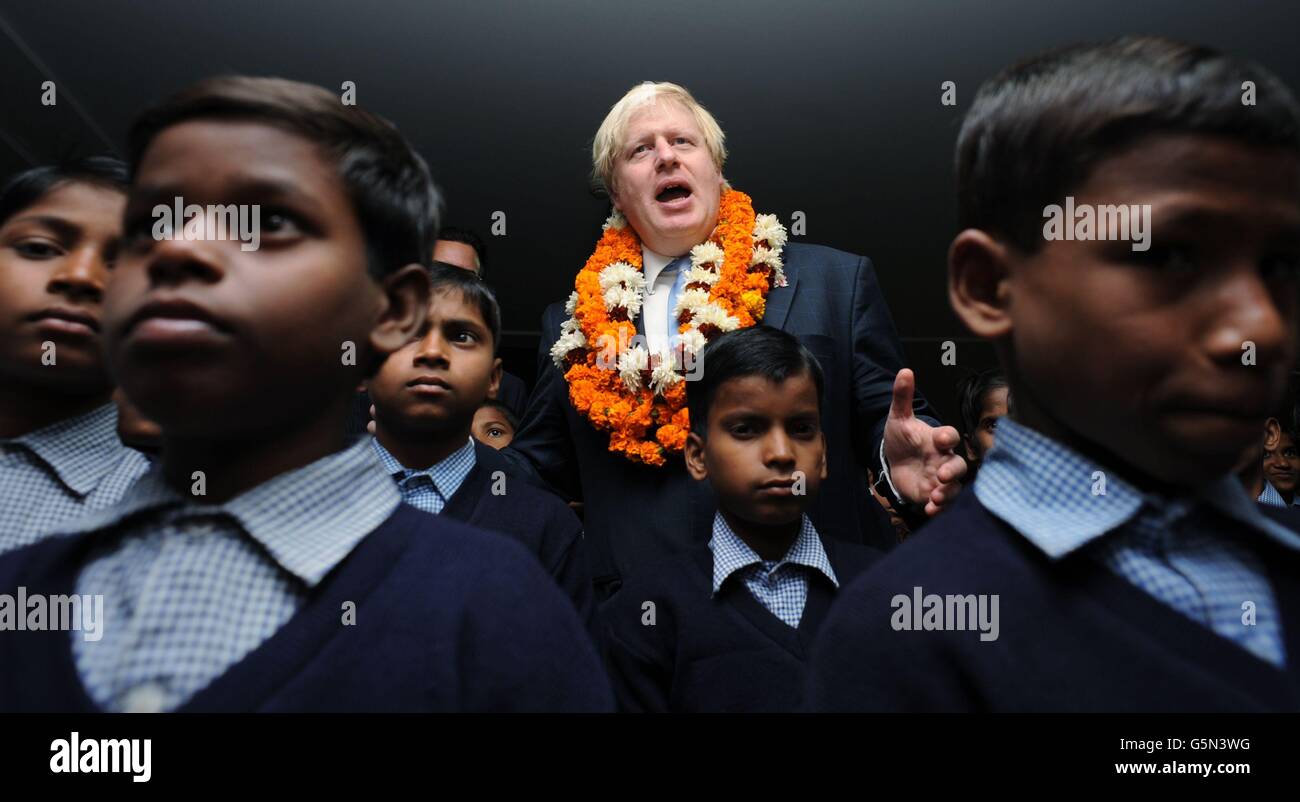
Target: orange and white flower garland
639,397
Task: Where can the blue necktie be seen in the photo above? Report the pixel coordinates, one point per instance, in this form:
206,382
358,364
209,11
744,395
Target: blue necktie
680,266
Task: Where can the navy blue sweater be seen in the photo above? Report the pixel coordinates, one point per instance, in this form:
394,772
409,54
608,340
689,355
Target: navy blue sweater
1073,635
448,618
534,516
707,654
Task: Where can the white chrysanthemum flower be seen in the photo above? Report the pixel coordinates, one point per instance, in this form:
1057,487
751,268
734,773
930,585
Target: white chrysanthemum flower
702,275
566,343
712,314
707,252
571,305
615,220
621,274
693,341
690,299
627,298
767,227
765,256
664,374
570,325
778,278
630,364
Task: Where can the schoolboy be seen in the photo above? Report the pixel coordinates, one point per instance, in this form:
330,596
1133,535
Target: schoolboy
59,452
426,396
728,627
1107,560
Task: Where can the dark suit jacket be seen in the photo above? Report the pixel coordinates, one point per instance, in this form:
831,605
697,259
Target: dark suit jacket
634,514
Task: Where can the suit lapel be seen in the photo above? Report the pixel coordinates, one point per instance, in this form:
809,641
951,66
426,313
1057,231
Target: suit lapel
780,298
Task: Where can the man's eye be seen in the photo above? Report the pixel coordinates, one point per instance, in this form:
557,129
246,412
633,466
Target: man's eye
742,430
495,432
37,249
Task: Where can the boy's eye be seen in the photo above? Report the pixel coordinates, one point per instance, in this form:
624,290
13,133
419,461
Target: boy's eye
464,337
495,432
1172,258
278,221
804,429
37,249
1286,268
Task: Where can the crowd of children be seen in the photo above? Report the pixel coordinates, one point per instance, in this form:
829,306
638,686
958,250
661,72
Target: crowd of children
180,437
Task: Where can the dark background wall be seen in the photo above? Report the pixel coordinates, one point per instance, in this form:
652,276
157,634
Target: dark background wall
831,108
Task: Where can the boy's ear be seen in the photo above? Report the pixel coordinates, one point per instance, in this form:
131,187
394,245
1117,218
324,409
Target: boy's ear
495,384
978,273
694,454
824,471
406,307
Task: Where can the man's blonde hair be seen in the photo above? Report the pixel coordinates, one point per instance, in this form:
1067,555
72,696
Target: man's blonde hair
609,137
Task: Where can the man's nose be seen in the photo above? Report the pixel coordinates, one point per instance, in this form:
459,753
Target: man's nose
664,153
1250,312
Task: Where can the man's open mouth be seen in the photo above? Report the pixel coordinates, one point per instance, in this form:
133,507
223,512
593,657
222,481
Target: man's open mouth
673,192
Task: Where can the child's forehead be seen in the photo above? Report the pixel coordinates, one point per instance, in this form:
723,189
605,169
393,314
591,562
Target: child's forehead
759,391
237,150
454,303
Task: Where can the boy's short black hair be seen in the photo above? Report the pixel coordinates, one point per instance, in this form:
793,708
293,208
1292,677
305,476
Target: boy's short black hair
392,193
29,186
505,411
972,389
464,235
1037,129
756,351
445,277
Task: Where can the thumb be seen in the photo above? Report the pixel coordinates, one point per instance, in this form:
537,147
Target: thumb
900,408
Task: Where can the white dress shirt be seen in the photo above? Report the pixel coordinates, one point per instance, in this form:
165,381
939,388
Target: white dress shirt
654,305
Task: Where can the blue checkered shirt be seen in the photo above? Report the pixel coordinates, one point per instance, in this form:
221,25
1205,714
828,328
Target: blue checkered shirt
191,588
57,474
1194,553
782,585
429,489
1272,498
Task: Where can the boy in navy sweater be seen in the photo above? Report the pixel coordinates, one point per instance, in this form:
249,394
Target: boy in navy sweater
729,627
425,397
1106,558
266,564
59,452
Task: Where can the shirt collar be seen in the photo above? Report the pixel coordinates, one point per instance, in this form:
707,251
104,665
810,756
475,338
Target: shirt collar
81,451
308,519
1060,500
653,264
730,553
451,469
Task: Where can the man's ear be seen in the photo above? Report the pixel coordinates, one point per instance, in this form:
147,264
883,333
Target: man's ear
978,283
494,385
405,307
694,453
